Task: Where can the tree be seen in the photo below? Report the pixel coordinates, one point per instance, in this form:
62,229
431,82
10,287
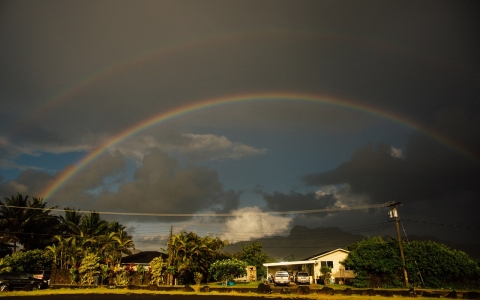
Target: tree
190,253
89,267
327,272
377,263
27,222
156,268
92,225
124,243
70,224
89,233
442,267
254,255
26,261
226,270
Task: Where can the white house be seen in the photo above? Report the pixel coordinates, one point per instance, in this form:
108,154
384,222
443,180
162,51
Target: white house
313,264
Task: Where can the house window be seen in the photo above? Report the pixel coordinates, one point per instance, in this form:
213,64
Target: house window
326,263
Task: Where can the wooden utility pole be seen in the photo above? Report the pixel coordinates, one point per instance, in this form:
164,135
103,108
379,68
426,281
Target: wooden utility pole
169,259
393,214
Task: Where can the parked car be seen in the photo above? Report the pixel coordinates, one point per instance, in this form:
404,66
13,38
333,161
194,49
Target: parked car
19,280
281,278
43,275
302,278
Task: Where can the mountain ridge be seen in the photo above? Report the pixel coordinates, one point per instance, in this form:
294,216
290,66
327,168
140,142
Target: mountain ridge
303,242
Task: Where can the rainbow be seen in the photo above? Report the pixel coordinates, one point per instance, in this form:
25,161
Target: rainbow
163,117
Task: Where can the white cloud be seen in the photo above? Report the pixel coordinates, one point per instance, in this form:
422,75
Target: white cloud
341,196
212,147
251,223
396,152
197,147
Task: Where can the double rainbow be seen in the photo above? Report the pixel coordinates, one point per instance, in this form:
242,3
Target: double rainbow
163,117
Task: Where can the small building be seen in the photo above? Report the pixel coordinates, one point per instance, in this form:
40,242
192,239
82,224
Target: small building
313,264
251,275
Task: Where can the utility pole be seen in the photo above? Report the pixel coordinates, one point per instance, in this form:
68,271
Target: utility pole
169,259
393,214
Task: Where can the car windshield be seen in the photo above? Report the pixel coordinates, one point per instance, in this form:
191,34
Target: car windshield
302,274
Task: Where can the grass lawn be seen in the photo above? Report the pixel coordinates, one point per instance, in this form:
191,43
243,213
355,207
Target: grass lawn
212,294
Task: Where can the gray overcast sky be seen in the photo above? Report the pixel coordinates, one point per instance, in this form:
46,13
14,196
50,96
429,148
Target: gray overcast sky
393,112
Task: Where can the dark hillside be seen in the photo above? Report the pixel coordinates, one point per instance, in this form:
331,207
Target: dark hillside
303,242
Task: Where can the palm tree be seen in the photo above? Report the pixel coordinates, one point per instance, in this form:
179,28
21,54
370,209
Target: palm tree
109,247
189,253
124,243
55,251
76,247
59,246
115,226
71,222
92,225
27,222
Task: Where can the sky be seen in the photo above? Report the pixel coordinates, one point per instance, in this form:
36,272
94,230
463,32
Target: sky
242,119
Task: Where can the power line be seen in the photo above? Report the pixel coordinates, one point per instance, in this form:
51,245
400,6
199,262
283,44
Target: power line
291,212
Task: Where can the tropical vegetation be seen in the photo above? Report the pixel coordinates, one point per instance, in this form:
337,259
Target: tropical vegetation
228,269
27,222
254,255
189,253
26,261
85,244
377,263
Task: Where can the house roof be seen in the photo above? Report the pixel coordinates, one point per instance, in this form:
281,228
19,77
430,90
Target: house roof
288,263
143,257
325,253
4,245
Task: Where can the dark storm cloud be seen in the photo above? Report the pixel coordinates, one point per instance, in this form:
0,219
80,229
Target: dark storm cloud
297,201
424,176
435,184
162,185
34,182
379,54
29,182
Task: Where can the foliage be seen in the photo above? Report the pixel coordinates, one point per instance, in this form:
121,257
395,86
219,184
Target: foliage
190,253
141,270
228,269
89,267
327,272
198,277
26,261
254,255
74,275
104,270
27,222
93,225
71,222
156,270
442,267
377,263
89,233
122,278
